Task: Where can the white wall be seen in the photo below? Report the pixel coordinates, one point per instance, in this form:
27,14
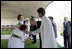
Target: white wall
9,21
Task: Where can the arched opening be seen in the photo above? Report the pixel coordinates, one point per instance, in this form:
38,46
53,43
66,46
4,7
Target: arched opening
58,10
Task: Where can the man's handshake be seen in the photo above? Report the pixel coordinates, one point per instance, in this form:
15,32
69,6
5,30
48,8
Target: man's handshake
30,32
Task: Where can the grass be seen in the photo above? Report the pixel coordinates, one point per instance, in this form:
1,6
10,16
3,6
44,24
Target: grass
4,43
58,46
61,33
28,44
6,32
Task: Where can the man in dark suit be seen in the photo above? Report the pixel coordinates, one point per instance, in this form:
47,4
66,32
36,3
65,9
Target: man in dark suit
38,25
54,25
67,33
34,26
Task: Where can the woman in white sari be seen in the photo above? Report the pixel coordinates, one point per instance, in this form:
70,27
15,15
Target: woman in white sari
17,38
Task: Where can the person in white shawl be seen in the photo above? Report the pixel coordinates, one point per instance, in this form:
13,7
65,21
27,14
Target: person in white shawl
46,30
17,38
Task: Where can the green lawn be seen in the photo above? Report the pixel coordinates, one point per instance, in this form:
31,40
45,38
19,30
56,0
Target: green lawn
6,32
4,43
28,44
61,33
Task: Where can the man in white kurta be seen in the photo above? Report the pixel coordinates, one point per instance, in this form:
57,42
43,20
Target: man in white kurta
47,33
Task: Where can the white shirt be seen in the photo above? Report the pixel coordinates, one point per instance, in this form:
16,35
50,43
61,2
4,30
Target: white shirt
66,22
47,34
21,22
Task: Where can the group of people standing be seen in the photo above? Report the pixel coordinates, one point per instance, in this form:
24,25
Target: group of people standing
46,28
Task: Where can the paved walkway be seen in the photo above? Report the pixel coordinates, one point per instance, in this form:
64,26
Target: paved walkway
8,36
59,38
5,36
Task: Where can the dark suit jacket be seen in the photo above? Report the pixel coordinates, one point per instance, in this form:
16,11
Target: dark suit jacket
55,29
33,28
67,28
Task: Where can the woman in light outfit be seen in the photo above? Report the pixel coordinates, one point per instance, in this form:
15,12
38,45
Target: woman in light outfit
17,38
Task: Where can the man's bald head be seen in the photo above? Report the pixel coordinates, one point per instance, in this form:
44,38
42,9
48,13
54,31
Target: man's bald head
65,18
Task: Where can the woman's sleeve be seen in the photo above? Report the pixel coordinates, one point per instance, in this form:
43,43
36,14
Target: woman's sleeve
23,37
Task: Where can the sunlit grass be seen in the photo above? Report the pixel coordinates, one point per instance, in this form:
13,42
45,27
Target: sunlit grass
28,44
6,32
